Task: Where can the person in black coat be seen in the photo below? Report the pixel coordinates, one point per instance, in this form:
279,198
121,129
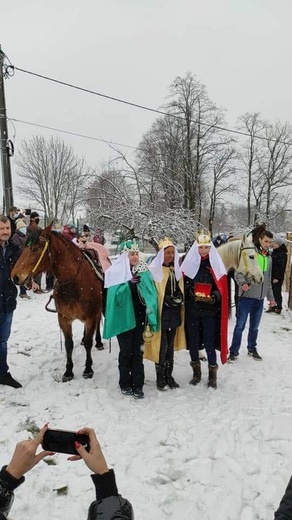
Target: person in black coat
12,216
19,239
279,262
109,505
9,253
284,512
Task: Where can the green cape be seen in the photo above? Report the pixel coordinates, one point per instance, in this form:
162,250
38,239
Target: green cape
119,311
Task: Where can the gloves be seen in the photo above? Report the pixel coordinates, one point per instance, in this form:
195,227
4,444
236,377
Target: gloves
135,279
205,299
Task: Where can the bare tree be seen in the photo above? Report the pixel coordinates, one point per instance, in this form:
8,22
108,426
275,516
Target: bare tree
275,169
253,125
53,176
221,182
201,136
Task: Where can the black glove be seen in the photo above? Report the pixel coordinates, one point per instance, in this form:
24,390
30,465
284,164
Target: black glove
135,279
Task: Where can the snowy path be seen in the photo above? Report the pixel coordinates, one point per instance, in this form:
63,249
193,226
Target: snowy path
189,453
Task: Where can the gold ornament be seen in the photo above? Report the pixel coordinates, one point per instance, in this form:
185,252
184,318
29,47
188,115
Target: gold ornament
147,334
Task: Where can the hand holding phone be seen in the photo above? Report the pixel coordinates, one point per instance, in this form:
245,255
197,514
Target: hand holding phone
62,441
25,457
94,459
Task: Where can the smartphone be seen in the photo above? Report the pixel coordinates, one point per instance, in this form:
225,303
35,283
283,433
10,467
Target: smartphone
62,441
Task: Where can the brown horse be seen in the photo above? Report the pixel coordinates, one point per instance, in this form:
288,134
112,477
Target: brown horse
77,292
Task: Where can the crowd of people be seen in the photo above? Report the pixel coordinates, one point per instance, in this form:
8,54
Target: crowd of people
154,310
158,308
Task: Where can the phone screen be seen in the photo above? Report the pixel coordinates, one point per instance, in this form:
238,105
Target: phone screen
62,441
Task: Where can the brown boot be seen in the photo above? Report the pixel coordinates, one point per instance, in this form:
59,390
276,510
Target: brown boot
196,366
213,376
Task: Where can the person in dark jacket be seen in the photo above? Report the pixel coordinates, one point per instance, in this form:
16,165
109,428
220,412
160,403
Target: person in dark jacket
12,216
218,241
9,254
167,275
33,225
131,301
206,306
19,239
284,512
109,505
279,262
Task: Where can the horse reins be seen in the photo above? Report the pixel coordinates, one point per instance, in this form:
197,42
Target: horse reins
47,243
41,257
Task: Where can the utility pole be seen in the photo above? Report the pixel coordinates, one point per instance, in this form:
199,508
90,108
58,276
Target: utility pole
4,148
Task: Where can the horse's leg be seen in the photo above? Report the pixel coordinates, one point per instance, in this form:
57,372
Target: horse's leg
66,327
98,341
87,341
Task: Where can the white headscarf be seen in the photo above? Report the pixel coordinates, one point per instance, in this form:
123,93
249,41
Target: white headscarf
155,267
192,261
119,271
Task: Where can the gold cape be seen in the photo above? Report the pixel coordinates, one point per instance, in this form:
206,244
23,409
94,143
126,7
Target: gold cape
152,347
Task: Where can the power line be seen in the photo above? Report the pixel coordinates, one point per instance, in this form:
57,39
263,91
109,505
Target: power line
71,133
143,107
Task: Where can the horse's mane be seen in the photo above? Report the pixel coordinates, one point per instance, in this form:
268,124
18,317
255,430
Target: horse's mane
33,237
229,251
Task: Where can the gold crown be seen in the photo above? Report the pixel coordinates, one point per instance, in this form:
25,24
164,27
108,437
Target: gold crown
203,238
164,242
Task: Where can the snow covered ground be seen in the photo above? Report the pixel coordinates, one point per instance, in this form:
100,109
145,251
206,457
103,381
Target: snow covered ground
191,453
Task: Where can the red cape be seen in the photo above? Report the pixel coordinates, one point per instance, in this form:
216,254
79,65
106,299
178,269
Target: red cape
222,345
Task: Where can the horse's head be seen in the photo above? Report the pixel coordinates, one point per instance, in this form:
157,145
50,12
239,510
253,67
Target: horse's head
248,264
33,259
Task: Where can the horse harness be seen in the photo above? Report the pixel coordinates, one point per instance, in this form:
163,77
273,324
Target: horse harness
242,253
46,246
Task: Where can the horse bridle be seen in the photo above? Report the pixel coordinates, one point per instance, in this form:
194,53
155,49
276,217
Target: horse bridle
243,254
46,246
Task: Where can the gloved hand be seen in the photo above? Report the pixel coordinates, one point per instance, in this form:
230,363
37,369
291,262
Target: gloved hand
135,279
205,299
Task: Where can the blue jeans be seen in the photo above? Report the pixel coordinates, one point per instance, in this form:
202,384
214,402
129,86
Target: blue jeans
5,328
253,308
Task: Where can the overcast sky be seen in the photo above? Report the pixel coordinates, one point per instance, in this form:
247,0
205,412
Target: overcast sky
133,49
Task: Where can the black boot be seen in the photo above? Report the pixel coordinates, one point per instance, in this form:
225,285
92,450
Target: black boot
160,376
196,366
213,376
168,375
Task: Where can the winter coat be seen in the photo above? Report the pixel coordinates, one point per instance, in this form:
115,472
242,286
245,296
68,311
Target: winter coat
199,308
203,309
279,262
8,291
285,508
18,239
109,505
12,225
33,226
258,291
102,253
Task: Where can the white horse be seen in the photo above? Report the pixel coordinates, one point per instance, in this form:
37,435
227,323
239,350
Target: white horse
241,255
